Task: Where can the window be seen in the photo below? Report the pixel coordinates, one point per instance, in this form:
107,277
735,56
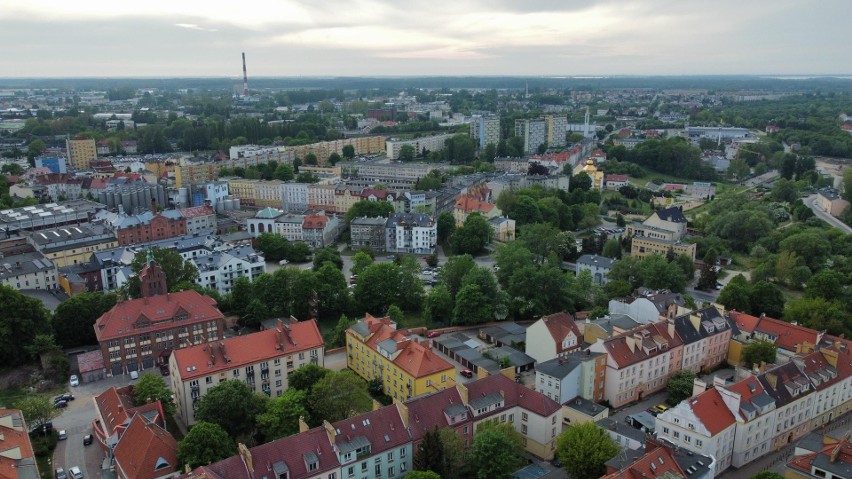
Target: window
524,416
553,420
390,471
402,452
208,380
523,428
378,470
390,456
351,471
364,466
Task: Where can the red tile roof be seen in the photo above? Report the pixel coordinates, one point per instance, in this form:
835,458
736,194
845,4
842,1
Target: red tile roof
416,359
426,413
316,222
653,335
116,407
745,322
14,441
155,313
383,427
560,325
619,178
196,211
655,463
99,183
514,394
91,361
145,451
207,359
837,452
471,205
712,411
788,335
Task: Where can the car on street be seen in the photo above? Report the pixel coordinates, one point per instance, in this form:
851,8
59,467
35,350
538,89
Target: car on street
75,381
283,262
60,473
87,440
433,334
64,397
63,435
466,373
60,404
75,473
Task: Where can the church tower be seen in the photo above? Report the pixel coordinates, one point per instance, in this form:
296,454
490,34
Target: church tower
152,278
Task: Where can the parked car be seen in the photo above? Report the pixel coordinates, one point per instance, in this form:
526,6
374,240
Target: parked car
652,411
467,373
75,473
283,262
60,473
60,404
64,397
75,381
433,334
87,439
63,435
660,408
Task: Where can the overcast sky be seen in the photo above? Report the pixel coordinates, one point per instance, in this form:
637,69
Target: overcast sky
159,38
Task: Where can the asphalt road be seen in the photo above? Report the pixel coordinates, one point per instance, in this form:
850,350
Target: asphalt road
810,201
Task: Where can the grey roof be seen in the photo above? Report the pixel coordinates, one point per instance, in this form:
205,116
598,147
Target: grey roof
310,457
673,214
356,442
813,442
829,193
280,468
839,468
61,238
621,429
621,321
694,464
24,263
410,219
388,345
454,410
485,401
368,221
595,260
361,328
561,367
585,406
516,358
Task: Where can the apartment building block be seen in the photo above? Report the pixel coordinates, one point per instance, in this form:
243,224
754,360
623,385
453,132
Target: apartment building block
81,152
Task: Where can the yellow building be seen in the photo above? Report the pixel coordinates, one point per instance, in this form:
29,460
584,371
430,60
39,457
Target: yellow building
595,174
243,189
81,152
268,193
641,247
344,199
70,245
407,368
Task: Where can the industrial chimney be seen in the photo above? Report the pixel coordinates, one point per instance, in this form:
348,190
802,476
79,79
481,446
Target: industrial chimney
245,76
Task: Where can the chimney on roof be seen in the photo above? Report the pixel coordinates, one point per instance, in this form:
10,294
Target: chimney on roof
463,392
303,426
835,452
329,429
245,454
403,411
772,379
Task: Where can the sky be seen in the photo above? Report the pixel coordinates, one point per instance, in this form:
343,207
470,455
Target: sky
286,38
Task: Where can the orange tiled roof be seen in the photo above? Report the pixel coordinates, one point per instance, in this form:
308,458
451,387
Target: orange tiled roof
559,325
471,205
415,358
146,451
653,335
315,222
14,440
834,451
655,463
248,349
712,411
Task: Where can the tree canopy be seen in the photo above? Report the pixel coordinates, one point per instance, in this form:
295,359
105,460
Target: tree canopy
584,449
178,271
761,351
680,386
338,396
74,318
281,417
21,319
497,450
151,388
205,444
243,406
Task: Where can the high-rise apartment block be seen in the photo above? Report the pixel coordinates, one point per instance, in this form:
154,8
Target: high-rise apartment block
485,130
557,127
533,132
81,152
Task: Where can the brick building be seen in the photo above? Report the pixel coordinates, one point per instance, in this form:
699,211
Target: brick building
161,226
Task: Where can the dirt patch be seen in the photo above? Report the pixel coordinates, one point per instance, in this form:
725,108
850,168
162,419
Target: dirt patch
20,377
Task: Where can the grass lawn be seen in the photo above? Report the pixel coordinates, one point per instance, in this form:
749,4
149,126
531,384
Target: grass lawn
742,262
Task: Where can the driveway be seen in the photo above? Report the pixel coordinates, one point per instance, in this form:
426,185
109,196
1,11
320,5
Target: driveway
810,201
77,419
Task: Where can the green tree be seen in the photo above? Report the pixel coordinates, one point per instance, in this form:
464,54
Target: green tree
284,172
243,406
74,318
736,294
473,306
370,209
584,449
282,414
757,352
406,153
438,305
541,239
680,386
240,296
22,319
489,153
311,159
657,273
446,226
330,255
35,148
473,236
383,284
334,158
826,284
360,261
177,269
337,337
429,455
422,475
151,388
819,314
612,249
338,396
306,376
581,182
454,270
348,152
497,450
205,444
455,454
525,211
767,475
38,409
767,299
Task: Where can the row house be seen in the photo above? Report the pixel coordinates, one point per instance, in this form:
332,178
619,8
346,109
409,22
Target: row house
705,334
648,306
466,205
30,270
345,197
137,334
368,232
821,456
640,362
578,374
321,197
375,349
319,231
553,336
791,389
703,424
754,410
264,360
382,443
830,372
294,197
72,245
791,339
411,233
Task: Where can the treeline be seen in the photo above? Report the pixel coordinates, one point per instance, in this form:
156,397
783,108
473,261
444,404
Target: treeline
671,156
